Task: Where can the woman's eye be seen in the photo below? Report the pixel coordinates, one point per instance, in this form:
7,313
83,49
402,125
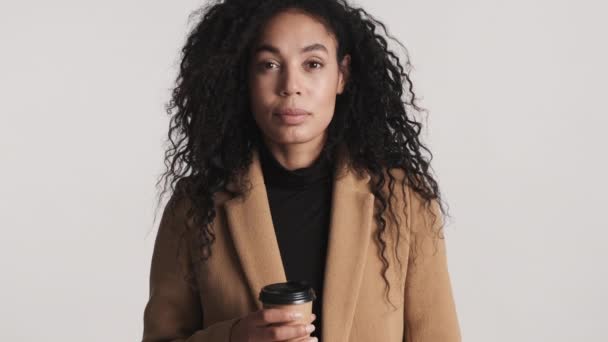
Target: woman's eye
315,65
273,65
268,65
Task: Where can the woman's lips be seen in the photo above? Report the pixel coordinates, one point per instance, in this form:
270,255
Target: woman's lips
291,111
292,116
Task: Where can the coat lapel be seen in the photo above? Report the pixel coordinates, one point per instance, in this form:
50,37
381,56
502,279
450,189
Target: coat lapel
349,236
250,224
252,230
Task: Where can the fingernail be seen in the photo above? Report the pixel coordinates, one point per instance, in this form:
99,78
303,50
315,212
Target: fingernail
296,315
310,328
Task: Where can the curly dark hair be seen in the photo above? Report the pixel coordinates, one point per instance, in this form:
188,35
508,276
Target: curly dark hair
212,131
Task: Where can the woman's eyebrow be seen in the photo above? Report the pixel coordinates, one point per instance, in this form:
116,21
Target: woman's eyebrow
272,49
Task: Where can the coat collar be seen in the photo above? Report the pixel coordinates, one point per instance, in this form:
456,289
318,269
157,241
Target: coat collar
252,230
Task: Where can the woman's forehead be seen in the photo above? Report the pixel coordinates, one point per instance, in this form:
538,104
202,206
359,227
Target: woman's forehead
297,31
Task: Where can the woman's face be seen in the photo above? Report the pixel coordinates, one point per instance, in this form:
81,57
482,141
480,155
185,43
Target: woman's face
294,79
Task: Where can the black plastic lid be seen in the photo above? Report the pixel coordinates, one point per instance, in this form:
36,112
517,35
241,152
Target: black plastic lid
291,292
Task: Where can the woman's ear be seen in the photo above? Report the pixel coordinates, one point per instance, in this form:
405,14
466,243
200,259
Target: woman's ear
343,73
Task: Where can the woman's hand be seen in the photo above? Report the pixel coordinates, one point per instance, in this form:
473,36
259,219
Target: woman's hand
269,325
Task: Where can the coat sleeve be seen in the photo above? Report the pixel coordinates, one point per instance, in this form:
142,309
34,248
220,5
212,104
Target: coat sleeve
429,308
173,312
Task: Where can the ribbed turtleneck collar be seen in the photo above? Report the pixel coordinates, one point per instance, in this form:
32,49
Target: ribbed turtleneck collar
276,175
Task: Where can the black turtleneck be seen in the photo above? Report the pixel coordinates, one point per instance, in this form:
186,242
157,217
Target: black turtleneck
300,204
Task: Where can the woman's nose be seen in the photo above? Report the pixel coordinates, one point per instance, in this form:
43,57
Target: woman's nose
290,82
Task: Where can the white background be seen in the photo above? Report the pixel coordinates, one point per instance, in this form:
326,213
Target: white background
517,114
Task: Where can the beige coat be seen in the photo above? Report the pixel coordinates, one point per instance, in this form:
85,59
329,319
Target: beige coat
245,257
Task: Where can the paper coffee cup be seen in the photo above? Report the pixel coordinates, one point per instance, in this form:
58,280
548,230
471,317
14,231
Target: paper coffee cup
291,295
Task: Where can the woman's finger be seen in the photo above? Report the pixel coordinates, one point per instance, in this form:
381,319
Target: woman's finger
286,332
274,316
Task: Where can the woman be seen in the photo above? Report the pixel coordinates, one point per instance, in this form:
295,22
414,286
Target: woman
293,156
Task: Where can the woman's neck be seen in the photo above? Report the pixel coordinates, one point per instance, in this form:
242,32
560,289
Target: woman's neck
296,156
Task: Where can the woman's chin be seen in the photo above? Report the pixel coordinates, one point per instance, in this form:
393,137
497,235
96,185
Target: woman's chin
293,136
